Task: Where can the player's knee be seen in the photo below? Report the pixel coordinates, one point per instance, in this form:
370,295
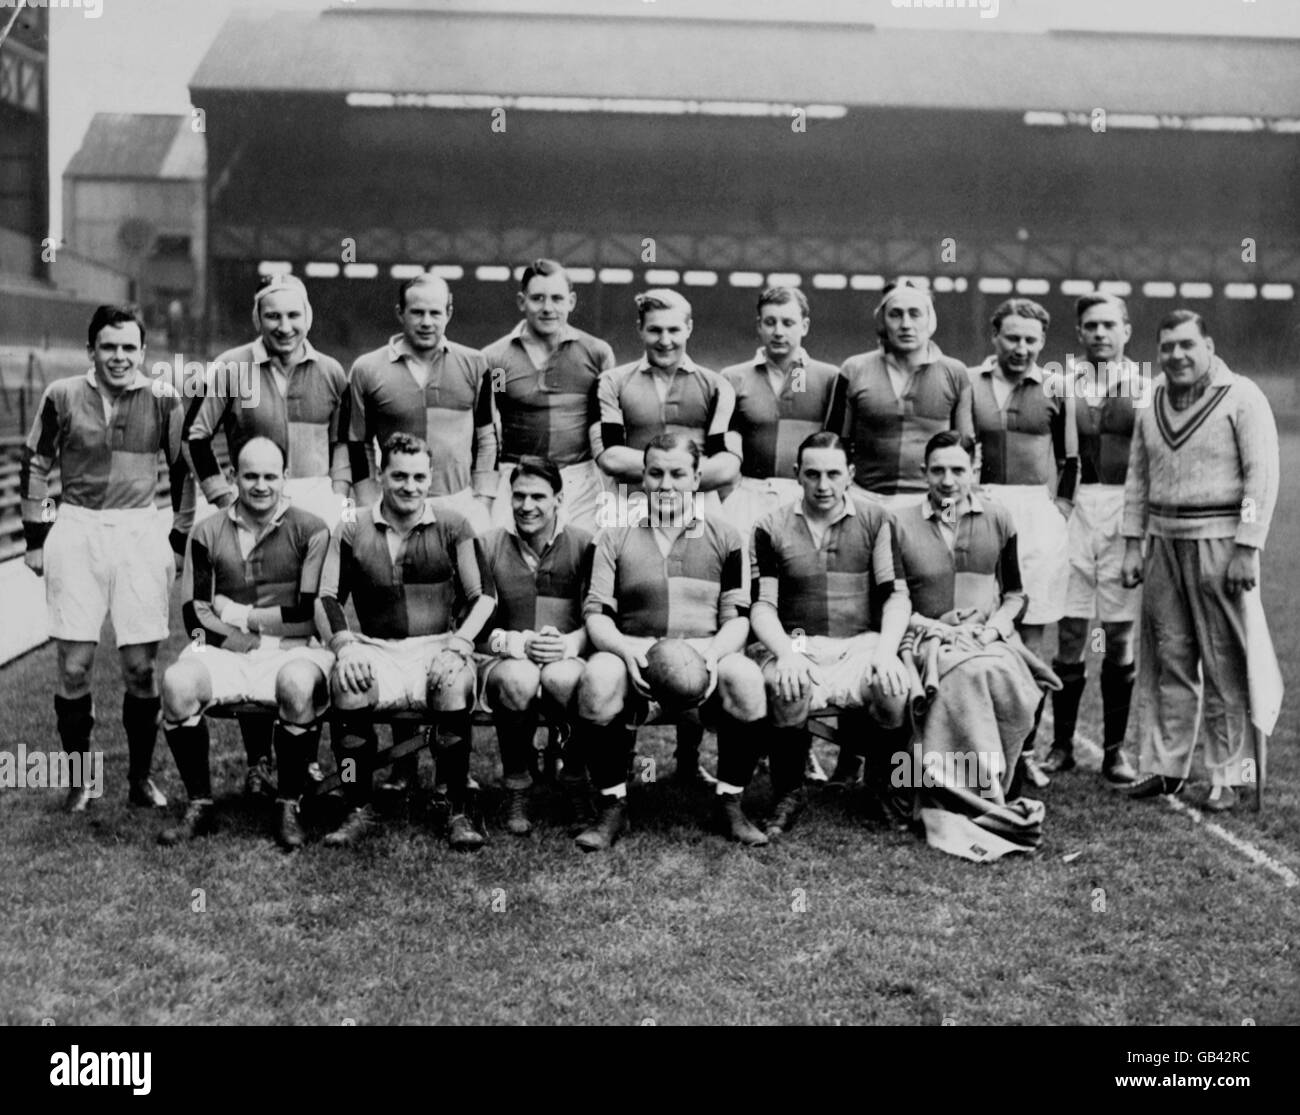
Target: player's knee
138,675
740,684
560,680
788,714
1071,640
453,694
298,686
887,710
1119,643
512,685
180,698
600,693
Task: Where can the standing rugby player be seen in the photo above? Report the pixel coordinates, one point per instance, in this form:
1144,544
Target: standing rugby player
672,574
106,551
544,374
782,396
667,392
298,401
422,384
898,396
1107,388
412,571
1020,423
541,567
251,576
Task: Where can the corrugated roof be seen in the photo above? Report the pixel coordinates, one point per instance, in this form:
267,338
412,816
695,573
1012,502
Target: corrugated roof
139,145
601,56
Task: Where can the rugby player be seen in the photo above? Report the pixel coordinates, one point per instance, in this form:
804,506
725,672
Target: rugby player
534,652
1110,386
898,396
665,391
1029,464
960,556
106,551
544,374
830,607
411,570
671,574
299,402
782,396
423,384
252,572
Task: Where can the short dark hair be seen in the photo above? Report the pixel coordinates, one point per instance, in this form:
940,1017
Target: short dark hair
121,313
822,439
670,440
1086,302
402,443
428,277
1174,318
779,296
542,469
1020,307
545,267
950,439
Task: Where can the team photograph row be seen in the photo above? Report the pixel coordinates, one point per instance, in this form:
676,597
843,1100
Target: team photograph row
533,536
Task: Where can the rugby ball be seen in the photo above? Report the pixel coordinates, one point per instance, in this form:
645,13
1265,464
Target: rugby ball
676,673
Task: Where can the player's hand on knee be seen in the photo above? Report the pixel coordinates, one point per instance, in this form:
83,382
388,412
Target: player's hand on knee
353,669
793,677
446,668
35,561
890,677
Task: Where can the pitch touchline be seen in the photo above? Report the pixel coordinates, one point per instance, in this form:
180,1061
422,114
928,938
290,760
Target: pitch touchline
1245,847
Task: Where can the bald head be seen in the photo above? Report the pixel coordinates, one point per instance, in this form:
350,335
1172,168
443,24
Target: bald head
259,477
423,310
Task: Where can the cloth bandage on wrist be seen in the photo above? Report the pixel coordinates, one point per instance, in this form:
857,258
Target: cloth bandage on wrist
236,615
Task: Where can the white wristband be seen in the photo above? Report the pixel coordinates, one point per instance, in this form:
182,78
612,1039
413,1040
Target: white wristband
236,615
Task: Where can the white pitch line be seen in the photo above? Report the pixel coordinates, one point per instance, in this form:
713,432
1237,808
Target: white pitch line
1256,855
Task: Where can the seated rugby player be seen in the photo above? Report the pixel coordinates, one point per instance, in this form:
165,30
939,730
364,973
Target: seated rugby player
536,646
960,555
671,574
411,572
819,564
251,575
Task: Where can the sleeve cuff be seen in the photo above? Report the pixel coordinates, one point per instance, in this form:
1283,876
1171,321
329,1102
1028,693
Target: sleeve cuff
35,534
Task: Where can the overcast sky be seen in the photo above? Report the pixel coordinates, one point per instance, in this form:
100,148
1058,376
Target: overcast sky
139,55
